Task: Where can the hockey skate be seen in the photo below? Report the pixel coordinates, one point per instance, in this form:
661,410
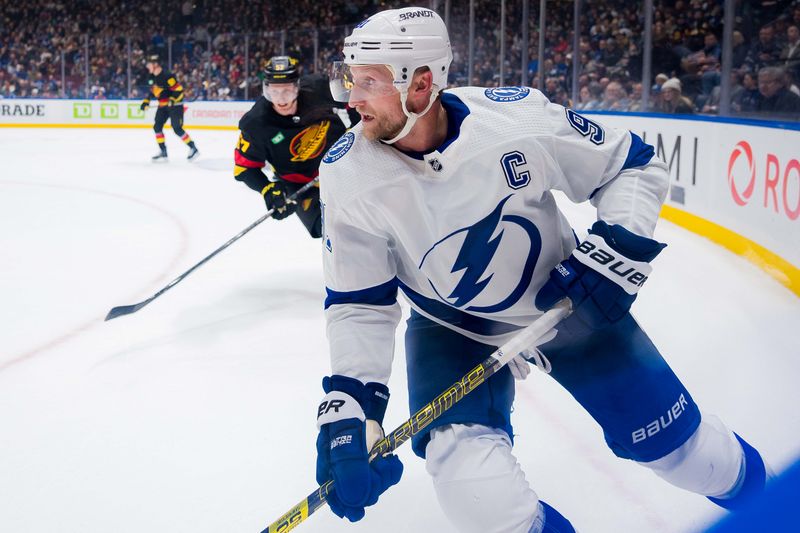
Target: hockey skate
160,157
194,153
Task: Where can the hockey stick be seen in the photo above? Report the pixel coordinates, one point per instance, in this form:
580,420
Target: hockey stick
128,309
433,410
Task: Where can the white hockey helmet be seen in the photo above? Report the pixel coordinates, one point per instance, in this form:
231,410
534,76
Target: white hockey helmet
405,40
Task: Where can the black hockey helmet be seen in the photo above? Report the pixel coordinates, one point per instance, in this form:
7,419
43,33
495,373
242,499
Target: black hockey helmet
281,69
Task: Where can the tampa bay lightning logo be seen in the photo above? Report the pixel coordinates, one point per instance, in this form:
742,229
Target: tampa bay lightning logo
340,147
489,247
507,94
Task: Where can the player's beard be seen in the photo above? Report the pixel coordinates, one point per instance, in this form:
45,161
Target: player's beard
384,127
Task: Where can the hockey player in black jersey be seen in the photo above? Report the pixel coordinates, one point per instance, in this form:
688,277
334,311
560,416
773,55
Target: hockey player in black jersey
165,88
289,130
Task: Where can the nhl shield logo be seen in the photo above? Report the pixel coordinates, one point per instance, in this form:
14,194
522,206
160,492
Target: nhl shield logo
435,164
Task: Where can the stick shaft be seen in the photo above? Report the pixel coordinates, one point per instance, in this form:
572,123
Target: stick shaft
128,309
433,410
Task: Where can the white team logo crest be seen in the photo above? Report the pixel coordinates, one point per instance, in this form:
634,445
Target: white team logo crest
507,94
340,148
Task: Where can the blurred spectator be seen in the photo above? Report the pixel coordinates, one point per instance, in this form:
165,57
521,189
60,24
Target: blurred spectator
590,97
740,49
665,55
612,53
775,96
660,79
712,103
709,64
790,55
614,98
747,99
672,100
765,51
550,88
711,49
636,98
187,14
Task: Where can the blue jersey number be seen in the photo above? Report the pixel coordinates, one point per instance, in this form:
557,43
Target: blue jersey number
585,127
516,178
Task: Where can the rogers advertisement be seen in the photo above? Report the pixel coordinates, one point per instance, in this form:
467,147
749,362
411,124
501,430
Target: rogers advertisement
742,177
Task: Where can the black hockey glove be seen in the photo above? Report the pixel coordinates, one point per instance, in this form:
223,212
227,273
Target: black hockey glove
144,105
275,194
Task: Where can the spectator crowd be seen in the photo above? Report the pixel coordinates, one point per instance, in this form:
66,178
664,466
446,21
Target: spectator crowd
218,48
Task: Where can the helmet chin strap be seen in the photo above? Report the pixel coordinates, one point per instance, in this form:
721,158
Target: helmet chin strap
411,118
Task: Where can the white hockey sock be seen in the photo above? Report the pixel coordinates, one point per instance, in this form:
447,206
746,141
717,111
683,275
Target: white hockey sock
709,463
479,484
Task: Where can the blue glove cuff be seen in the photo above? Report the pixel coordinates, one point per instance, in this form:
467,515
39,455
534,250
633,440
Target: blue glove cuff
627,243
373,397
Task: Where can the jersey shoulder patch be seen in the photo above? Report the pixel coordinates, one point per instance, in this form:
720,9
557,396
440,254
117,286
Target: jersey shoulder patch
506,94
506,113
354,166
340,148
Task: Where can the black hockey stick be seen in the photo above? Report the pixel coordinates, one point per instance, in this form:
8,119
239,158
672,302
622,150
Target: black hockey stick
433,410
128,309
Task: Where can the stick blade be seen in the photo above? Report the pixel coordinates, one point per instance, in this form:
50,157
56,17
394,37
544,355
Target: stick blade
123,310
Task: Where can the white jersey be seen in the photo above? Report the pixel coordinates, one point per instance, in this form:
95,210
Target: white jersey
470,231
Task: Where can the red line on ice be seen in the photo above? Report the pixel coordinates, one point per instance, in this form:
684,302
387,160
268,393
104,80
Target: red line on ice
183,245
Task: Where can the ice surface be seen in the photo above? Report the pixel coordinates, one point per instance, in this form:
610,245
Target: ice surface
197,413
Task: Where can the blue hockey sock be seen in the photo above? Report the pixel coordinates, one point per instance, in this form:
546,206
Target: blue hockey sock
554,522
752,484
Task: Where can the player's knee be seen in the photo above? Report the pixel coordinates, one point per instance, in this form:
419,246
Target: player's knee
478,482
708,463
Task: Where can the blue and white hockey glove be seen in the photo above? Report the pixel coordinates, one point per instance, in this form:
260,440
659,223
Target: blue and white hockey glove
602,276
349,422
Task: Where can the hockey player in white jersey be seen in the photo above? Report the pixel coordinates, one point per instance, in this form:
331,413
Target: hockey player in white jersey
446,195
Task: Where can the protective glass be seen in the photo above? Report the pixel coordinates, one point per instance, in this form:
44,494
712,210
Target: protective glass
281,93
360,82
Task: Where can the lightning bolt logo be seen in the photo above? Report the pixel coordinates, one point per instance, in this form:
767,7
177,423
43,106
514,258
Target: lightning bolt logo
475,255
481,243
